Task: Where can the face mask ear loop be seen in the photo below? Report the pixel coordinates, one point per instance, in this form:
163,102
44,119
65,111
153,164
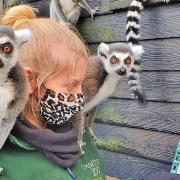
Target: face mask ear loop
38,97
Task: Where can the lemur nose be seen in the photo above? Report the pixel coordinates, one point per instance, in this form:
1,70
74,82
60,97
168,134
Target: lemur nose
121,71
1,63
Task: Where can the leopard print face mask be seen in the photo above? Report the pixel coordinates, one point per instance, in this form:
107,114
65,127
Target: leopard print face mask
57,108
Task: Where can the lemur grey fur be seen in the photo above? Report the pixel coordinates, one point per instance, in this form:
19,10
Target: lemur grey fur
104,73
102,77
13,83
68,11
113,62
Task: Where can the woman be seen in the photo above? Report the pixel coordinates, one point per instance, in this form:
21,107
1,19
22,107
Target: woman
55,62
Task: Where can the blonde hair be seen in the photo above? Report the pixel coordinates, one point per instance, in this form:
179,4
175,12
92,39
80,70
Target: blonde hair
37,54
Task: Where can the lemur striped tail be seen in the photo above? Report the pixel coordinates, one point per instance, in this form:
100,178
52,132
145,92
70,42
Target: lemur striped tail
133,36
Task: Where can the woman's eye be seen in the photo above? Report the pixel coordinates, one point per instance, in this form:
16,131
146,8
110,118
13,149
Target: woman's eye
114,60
127,61
7,48
75,83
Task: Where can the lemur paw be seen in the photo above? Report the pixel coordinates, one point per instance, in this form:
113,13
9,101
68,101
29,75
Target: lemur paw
167,1
81,144
139,94
1,171
95,11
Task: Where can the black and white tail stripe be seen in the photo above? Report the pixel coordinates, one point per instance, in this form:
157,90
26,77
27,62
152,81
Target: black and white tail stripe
133,17
133,36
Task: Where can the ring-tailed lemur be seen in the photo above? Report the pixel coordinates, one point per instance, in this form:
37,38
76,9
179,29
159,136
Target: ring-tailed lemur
13,83
68,11
113,62
121,59
105,71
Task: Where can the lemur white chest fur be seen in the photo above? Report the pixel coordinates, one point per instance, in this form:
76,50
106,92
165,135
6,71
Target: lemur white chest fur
68,6
13,83
105,90
8,92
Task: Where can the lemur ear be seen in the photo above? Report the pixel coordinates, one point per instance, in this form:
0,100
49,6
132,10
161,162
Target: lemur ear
138,51
103,50
23,36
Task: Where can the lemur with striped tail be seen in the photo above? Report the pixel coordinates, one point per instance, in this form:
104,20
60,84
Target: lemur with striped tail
113,61
13,82
119,59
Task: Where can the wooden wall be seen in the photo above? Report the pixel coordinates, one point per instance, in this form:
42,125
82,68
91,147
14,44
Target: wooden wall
138,139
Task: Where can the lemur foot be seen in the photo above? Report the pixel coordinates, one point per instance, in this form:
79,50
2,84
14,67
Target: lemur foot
95,11
1,171
81,144
167,1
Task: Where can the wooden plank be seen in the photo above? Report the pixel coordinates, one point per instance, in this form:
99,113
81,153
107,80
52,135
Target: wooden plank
42,6
1,9
121,4
9,3
151,145
159,54
157,22
156,116
125,166
158,86
108,6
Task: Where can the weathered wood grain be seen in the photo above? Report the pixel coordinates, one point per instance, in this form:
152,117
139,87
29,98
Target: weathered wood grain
108,6
157,22
42,6
155,116
151,145
125,166
159,54
120,4
1,9
158,86
15,2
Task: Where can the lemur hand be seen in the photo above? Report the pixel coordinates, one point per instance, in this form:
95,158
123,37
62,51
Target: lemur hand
139,94
1,171
95,11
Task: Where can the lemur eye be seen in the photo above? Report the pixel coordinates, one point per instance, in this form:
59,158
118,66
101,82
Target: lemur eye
127,61
7,48
114,60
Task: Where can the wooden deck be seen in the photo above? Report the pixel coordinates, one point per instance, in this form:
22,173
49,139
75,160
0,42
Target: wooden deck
134,139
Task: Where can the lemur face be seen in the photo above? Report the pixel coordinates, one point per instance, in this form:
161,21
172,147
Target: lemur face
8,52
10,42
117,59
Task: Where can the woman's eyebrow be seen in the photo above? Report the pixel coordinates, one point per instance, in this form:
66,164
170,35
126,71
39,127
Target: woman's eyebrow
75,82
